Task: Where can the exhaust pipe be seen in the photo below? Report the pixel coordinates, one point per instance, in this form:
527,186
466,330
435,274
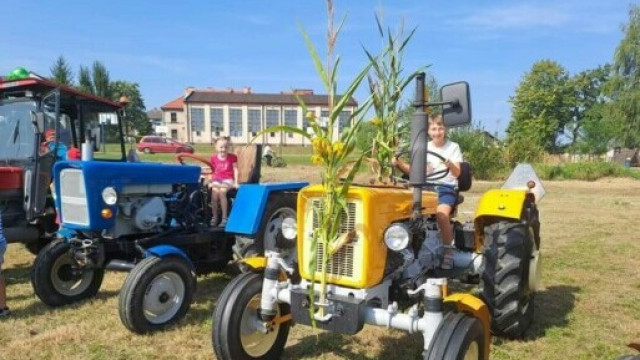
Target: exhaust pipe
418,146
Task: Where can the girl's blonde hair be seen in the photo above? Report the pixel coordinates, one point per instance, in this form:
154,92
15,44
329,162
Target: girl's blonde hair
223,138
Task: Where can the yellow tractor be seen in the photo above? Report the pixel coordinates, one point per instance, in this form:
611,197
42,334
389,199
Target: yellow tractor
390,274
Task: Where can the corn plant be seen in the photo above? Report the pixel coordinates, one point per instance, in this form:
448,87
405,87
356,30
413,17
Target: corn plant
331,152
386,85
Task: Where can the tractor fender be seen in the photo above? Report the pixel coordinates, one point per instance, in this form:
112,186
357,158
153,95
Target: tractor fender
500,204
475,307
250,202
163,251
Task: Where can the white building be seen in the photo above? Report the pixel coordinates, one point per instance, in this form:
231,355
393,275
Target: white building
200,116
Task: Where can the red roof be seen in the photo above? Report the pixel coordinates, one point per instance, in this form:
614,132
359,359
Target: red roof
177,104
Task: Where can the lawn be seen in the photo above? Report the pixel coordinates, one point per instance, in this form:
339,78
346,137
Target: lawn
588,307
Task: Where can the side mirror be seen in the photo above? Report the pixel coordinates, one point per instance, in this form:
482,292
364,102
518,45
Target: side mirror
37,118
458,112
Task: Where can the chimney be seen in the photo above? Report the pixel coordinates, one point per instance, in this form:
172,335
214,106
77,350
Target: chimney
188,90
246,90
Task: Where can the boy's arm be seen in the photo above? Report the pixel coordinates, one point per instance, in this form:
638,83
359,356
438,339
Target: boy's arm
453,163
404,167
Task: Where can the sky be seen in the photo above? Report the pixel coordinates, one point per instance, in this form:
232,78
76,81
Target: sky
166,46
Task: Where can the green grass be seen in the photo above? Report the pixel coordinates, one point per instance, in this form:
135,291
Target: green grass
587,307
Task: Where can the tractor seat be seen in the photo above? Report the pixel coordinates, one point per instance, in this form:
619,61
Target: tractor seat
465,180
249,162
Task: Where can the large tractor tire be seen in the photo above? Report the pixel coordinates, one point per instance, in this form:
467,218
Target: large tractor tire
156,293
269,235
458,337
34,247
509,277
56,282
235,335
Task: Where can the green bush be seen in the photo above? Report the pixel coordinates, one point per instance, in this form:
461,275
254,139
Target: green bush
485,156
589,171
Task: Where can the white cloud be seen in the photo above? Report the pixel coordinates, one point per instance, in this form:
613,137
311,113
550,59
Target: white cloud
517,16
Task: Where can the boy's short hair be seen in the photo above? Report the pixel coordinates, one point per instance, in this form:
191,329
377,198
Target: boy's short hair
436,120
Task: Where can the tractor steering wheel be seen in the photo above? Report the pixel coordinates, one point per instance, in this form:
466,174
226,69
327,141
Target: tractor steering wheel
436,175
208,170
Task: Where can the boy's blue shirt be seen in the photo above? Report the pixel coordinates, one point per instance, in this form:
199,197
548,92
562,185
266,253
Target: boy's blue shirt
3,240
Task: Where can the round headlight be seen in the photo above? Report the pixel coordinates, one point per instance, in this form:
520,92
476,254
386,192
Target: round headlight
396,237
289,228
109,196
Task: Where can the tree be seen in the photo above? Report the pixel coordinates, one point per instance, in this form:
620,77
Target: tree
61,72
101,82
542,105
84,80
136,119
588,108
624,86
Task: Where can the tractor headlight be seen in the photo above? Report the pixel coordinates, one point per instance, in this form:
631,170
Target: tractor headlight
109,196
396,237
289,228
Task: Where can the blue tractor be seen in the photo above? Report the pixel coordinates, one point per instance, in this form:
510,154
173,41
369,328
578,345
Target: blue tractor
152,219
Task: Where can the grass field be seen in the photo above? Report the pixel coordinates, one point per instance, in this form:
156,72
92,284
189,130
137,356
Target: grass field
588,307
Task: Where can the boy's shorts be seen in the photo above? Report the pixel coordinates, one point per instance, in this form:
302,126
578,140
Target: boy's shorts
446,194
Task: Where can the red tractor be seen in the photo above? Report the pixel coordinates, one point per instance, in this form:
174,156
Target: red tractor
42,122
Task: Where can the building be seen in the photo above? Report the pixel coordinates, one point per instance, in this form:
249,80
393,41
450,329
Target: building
155,117
200,116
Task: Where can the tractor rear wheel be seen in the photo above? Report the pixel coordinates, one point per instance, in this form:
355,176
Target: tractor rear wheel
57,281
156,293
509,256
236,334
458,337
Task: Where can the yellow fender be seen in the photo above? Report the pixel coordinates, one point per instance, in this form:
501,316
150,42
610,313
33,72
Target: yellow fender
477,308
259,263
498,203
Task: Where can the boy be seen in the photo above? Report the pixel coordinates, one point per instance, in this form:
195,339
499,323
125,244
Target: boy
4,310
445,187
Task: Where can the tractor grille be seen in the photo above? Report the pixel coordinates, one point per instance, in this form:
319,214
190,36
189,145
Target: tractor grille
342,262
73,199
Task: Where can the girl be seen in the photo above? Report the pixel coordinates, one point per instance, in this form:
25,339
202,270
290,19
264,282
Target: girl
225,177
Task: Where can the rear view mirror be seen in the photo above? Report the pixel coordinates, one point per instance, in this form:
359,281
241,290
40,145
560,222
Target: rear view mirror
37,118
458,111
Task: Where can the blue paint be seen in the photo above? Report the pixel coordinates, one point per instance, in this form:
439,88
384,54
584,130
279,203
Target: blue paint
98,175
163,251
248,208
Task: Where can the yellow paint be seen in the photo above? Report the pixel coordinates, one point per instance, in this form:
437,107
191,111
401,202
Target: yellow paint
255,263
477,308
497,203
376,208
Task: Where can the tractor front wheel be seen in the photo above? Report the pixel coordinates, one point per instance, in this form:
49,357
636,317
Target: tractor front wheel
458,337
238,332
156,293
507,284
58,281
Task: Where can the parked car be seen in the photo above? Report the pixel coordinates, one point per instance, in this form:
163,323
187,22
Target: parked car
159,144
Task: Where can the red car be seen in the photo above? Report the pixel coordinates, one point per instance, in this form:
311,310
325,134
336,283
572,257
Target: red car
159,144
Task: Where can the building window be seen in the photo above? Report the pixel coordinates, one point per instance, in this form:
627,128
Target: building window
324,118
235,122
254,119
344,120
174,134
291,119
197,119
216,116
174,117
273,119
